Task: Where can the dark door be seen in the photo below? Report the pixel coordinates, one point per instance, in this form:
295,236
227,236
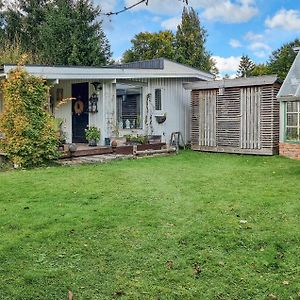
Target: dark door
80,115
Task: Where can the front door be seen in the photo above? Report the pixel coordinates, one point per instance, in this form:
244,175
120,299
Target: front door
80,115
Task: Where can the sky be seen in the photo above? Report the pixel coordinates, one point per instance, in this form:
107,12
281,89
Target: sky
234,27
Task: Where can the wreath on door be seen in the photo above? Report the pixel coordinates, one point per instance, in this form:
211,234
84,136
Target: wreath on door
78,107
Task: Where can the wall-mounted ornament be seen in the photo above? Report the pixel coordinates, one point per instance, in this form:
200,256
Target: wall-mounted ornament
93,101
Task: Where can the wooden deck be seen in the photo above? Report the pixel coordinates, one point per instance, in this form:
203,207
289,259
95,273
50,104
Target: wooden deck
85,150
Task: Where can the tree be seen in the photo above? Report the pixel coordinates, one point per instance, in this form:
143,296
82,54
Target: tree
2,32
32,16
259,70
12,25
89,45
55,32
29,135
246,66
58,31
148,45
11,53
282,59
190,42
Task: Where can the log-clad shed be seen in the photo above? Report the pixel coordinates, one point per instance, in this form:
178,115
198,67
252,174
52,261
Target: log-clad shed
236,115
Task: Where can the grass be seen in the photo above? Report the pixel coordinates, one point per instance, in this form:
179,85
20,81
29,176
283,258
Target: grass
161,228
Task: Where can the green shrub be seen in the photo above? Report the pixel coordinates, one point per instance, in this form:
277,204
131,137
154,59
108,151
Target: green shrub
29,131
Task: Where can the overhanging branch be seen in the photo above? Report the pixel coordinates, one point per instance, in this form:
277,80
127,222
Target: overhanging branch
134,5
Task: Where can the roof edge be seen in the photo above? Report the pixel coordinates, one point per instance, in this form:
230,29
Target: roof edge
236,82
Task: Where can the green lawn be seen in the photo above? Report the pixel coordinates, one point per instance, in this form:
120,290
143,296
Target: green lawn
156,228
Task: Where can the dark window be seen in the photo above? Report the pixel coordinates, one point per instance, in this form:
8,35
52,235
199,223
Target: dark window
129,106
158,99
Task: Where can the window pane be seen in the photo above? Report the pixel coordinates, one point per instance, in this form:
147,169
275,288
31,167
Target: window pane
293,106
292,134
129,106
158,99
292,119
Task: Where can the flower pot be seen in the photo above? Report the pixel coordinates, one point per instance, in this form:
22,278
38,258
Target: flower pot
92,143
160,119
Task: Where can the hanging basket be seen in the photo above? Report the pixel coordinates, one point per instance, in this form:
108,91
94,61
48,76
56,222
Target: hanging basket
160,119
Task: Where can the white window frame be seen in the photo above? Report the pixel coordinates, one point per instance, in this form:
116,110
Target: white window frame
286,126
161,110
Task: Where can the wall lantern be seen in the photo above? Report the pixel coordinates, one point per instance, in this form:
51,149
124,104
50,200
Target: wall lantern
93,101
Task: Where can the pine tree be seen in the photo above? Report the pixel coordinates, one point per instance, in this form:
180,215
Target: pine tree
89,45
55,32
58,31
190,42
32,16
245,67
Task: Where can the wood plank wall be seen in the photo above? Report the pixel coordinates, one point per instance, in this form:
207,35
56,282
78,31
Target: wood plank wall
228,118
207,118
244,120
250,118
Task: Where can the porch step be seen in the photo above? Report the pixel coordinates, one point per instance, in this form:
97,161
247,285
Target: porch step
122,150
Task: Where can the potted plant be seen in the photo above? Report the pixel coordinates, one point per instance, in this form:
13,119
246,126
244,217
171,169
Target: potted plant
160,119
92,134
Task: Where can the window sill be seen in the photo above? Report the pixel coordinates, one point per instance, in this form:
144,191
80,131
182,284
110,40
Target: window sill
291,142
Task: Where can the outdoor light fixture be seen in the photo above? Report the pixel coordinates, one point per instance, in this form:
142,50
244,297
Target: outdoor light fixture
93,101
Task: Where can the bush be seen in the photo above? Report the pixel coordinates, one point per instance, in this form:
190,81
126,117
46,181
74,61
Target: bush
29,131
92,133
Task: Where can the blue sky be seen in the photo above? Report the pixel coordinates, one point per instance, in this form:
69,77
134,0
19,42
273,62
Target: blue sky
235,27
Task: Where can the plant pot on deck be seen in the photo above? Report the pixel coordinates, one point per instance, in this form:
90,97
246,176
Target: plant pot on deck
92,143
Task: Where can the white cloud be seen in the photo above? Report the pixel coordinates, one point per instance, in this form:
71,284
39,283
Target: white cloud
227,64
259,45
107,6
171,24
156,19
235,43
166,7
285,19
229,11
261,54
251,36
260,49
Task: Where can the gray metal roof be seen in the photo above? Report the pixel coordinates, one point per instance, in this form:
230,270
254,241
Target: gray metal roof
237,82
157,63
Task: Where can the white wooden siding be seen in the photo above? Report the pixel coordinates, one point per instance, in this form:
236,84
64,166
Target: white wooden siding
175,99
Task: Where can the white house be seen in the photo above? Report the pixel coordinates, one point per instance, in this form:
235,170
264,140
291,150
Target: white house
132,98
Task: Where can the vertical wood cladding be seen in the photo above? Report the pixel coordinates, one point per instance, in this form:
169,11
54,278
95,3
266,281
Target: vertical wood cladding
241,119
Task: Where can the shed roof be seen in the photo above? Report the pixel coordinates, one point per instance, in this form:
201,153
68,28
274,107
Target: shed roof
291,85
237,82
162,68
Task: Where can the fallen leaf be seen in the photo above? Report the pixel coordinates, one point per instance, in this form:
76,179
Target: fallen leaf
70,295
169,264
221,263
285,282
197,270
